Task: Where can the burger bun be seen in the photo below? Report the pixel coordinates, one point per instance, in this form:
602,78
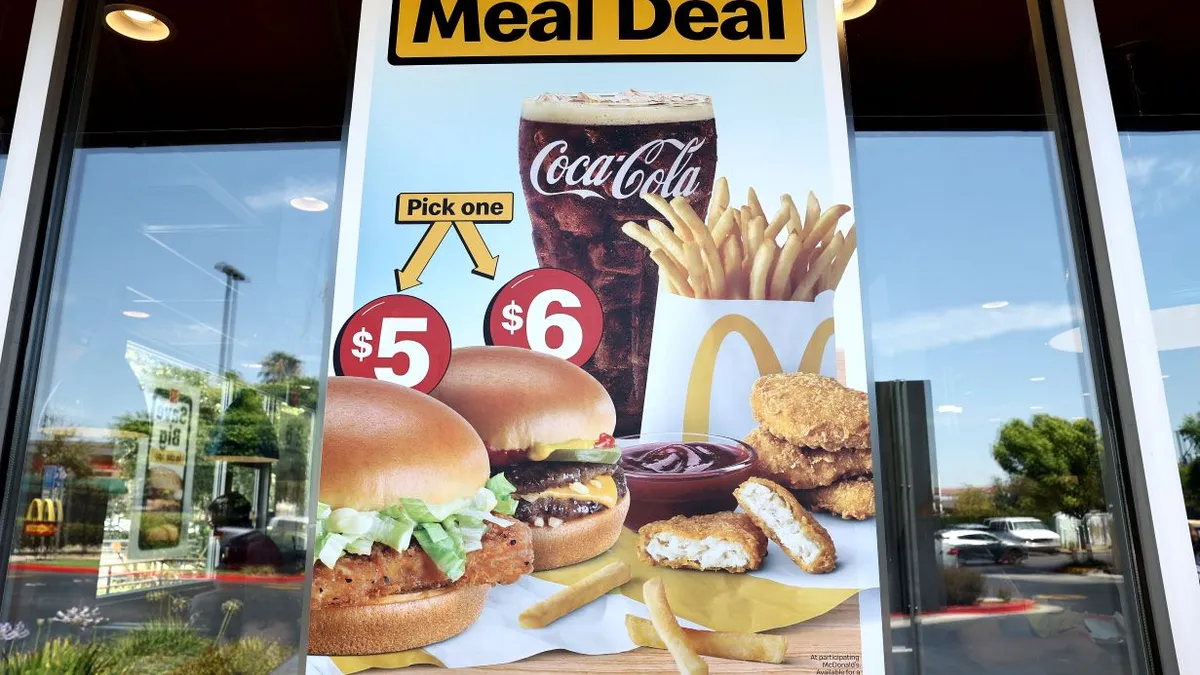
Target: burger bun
578,539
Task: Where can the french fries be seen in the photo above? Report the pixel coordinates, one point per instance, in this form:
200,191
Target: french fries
737,646
686,658
545,612
736,253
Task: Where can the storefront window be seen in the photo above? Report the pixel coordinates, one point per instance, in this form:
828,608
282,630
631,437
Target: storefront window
1147,53
1012,560
15,19
164,502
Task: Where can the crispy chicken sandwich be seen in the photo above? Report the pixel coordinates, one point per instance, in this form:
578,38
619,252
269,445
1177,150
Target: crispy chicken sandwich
411,533
548,428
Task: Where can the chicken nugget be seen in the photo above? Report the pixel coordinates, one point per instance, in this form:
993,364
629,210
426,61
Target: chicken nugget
804,468
850,499
812,411
720,541
777,513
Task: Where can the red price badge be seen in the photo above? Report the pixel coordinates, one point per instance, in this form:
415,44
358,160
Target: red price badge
547,310
396,338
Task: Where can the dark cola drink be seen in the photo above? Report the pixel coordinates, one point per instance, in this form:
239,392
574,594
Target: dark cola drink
585,161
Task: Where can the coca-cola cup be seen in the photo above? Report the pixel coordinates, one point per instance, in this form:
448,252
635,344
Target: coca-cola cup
586,161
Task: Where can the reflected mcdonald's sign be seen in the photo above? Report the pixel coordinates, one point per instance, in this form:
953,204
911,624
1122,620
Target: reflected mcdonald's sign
42,517
697,405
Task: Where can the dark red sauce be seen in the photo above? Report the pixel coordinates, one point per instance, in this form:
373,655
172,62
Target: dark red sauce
680,458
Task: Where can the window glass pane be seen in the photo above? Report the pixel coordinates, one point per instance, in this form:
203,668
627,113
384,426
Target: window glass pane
167,467
969,279
16,18
1149,51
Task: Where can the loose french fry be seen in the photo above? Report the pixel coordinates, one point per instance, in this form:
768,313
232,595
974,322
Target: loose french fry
760,269
794,222
697,274
732,263
714,215
716,273
744,218
781,278
737,646
843,260
755,205
778,221
641,235
670,241
545,612
681,229
686,658
806,289
726,225
675,274
825,224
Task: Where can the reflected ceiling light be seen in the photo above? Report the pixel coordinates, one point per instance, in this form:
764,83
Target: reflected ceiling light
309,204
1165,376
135,314
950,408
1035,407
852,9
1039,378
1086,393
995,304
252,366
137,23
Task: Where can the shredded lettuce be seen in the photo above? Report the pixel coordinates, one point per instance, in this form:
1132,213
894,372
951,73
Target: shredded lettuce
446,532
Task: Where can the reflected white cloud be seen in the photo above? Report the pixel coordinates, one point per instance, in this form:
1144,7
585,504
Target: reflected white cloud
1158,186
958,325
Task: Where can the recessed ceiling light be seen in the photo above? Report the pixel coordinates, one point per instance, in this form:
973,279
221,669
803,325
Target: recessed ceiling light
135,314
309,204
950,408
995,304
1039,378
137,23
852,9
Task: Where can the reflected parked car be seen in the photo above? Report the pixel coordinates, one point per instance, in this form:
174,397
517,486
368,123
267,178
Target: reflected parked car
959,547
1030,534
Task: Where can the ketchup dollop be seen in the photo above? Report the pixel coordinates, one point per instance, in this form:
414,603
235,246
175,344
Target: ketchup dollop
680,458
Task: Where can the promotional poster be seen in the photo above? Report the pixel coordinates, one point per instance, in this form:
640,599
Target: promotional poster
597,395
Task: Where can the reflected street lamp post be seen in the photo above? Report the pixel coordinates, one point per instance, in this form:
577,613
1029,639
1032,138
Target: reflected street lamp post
233,276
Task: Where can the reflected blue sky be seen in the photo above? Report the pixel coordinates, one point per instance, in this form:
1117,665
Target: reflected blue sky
950,222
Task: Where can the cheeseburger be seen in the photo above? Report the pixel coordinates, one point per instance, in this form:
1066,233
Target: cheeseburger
548,428
411,533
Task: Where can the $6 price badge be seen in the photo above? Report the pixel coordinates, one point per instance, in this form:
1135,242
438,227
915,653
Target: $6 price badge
396,338
547,310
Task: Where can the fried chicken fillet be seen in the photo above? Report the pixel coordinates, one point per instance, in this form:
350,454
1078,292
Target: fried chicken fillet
720,541
507,553
812,411
850,499
801,468
777,513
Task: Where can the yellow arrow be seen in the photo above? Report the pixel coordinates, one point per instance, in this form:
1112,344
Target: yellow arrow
485,262
409,276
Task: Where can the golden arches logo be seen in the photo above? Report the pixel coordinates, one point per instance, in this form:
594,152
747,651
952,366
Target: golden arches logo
44,511
697,405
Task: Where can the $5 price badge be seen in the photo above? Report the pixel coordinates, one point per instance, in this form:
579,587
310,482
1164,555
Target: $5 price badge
396,338
547,310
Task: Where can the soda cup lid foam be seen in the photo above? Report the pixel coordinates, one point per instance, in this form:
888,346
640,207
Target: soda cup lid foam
627,107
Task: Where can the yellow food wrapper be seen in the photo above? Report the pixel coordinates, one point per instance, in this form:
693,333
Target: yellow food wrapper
706,355
412,657
720,601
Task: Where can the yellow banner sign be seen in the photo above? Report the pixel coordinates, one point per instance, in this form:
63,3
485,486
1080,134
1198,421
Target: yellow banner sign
40,529
475,207
476,31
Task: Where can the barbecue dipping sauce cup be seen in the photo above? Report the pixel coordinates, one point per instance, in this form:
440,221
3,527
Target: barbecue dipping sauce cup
655,495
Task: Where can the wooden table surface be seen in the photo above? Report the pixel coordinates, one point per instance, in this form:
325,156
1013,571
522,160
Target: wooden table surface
835,633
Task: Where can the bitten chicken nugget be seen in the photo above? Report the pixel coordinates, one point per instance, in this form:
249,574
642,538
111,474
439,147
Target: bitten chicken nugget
850,499
777,513
812,411
804,468
720,541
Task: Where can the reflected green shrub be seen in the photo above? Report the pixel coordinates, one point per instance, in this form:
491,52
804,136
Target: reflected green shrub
61,656
963,586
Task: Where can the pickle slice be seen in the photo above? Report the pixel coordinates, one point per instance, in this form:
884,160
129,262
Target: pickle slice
590,455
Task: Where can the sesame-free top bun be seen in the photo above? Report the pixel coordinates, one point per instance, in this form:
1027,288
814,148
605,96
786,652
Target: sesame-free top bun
517,397
383,441
396,623
578,539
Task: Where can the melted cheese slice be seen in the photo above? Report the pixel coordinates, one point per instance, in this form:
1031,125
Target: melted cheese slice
605,495
540,451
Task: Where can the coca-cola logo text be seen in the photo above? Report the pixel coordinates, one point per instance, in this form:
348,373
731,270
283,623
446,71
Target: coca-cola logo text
630,174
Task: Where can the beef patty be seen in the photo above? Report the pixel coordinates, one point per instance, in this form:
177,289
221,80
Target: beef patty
534,477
